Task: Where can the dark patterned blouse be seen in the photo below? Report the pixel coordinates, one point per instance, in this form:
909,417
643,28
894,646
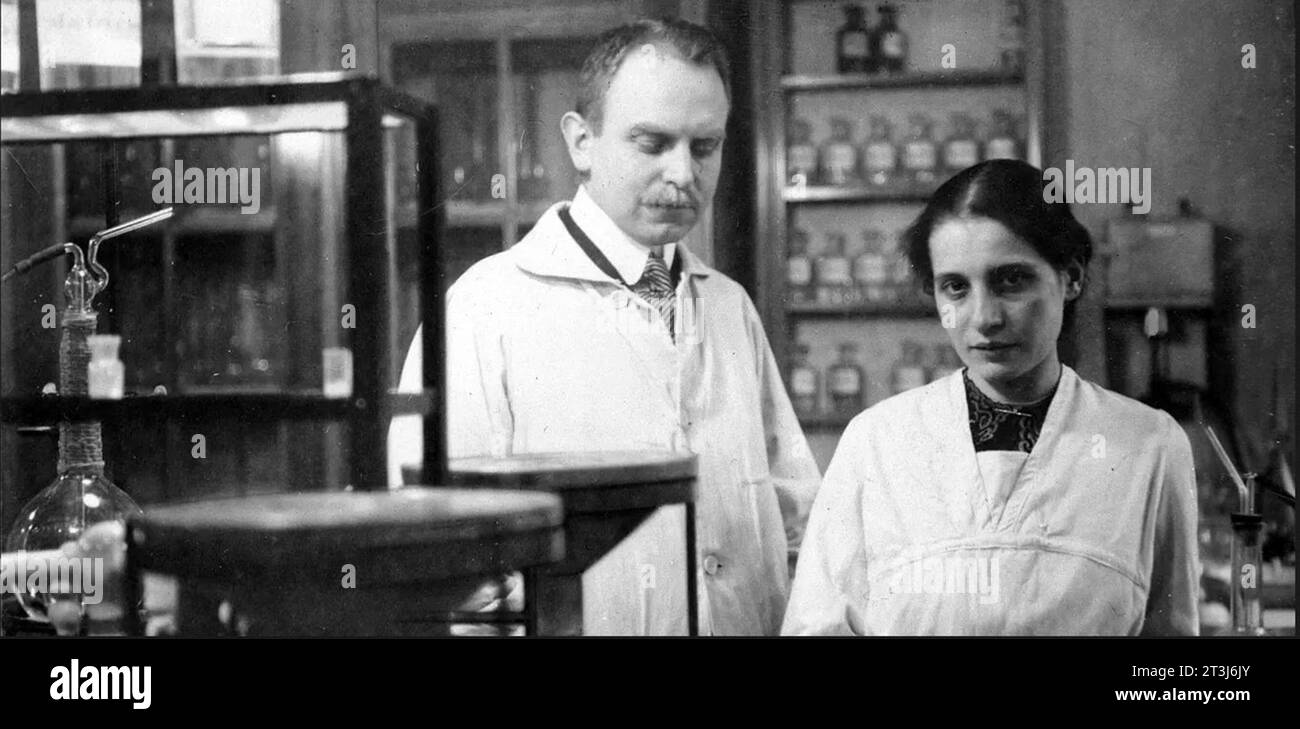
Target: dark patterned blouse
996,426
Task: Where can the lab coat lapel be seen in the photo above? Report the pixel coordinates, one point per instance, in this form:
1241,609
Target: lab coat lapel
961,484
1033,475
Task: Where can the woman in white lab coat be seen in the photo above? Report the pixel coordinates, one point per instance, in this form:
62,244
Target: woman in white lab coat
1012,497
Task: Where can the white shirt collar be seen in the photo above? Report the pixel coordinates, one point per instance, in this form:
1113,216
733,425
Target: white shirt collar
626,254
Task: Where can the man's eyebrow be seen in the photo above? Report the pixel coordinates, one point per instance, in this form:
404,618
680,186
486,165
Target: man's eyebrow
650,129
639,129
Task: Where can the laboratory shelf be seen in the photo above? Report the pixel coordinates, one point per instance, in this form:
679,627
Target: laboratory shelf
833,311
908,80
855,194
306,405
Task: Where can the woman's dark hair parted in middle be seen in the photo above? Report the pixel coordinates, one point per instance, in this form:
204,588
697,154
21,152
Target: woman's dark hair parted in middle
1011,193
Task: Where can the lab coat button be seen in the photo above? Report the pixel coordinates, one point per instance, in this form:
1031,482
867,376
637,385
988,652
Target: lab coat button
711,564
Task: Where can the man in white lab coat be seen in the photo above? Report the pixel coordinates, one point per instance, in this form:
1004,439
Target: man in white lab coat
600,331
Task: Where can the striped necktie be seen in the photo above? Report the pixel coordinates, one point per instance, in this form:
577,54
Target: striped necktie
655,286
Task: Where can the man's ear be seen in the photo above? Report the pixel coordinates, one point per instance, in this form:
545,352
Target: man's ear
578,135
1074,273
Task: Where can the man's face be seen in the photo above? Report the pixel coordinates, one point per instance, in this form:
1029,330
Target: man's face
654,165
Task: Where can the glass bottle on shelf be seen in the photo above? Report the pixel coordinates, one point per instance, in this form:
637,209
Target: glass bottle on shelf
845,382
854,293
799,269
106,374
1011,43
960,149
800,154
920,153
899,285
946,362
804,383
839,156
833,272
853,42
869,268
1003,143
880,159
909,369
889,46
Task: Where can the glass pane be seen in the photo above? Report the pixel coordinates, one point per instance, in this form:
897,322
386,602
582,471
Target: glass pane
460,78
88,44
227,40
9,45
231,311
465,247
546,83
320,116
402,188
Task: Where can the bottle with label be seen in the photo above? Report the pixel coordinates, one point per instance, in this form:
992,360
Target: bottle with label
1011,43
889,44
880,160
909,370
834,275
870,269
1003,143
839,157
960,149
804,383
853,42
920,153
854,293
946,362
105,375
800,154
845,382
799,269
900,283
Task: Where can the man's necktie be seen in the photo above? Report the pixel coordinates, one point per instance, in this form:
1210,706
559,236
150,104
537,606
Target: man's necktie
655,286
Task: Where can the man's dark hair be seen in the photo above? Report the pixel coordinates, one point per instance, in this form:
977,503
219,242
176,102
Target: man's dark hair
690,42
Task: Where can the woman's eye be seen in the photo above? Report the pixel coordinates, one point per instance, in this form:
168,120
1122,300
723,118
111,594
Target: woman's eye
952,288
1013,280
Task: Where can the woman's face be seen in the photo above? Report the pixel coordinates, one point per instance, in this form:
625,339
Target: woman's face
1002,304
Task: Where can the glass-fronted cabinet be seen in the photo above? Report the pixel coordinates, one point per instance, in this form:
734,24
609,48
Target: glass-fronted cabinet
501,79
260,323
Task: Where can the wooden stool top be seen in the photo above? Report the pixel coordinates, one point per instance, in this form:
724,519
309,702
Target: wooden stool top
406,535
588,481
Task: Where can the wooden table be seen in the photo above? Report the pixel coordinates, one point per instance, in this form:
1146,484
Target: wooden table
338,564
606,495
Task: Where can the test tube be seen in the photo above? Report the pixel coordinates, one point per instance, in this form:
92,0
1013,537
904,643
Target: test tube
1247,530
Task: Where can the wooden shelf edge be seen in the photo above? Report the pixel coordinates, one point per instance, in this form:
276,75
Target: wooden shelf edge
864,311
906,80
1175,304
309,405
855,194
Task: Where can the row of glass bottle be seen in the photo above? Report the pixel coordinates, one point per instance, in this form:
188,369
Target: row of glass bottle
846,382
918,161
883,48
845,271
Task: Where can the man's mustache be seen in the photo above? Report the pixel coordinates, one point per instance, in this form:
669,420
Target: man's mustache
680,199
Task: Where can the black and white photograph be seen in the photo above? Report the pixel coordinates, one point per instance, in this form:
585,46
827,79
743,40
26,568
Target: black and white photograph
647,318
